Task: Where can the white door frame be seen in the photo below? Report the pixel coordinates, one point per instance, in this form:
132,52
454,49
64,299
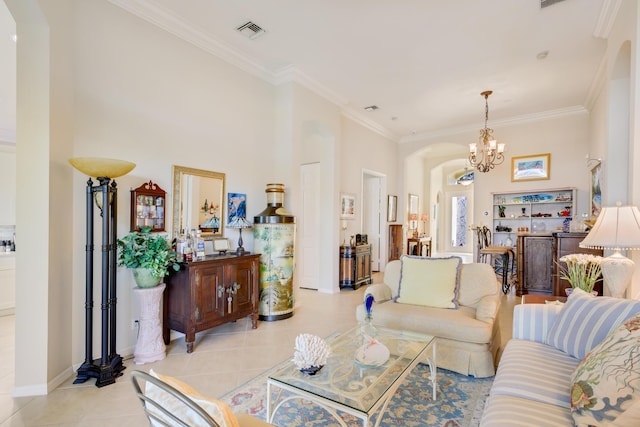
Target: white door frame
377,233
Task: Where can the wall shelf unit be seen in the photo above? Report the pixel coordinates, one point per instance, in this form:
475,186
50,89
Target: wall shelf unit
535,212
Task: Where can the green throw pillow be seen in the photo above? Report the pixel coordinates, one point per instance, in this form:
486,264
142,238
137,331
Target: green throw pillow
606,382
432,282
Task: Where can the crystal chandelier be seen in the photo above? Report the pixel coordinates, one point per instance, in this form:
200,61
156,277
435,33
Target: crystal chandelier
490,153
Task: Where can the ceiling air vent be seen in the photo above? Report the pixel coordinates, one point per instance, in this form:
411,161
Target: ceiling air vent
251,30
547,3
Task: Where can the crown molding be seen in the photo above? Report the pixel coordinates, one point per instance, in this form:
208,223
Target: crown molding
366,122
171,23
608,14
292,74
517,120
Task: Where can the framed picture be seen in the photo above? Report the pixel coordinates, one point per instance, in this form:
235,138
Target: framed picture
392,208
596,190
347,206
531,168
221,245
237,205
413,204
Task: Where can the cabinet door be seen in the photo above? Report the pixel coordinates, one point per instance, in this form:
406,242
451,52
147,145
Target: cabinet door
539,264
209,293
240,275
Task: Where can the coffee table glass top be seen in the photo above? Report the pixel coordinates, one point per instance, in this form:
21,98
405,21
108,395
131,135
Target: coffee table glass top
349,382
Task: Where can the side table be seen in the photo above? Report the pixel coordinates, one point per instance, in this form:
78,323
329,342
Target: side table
150,345
541,299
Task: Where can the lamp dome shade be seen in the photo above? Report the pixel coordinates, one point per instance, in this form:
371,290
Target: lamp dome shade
102,168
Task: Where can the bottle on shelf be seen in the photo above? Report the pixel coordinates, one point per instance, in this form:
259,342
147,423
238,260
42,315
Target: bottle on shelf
188,248
199,245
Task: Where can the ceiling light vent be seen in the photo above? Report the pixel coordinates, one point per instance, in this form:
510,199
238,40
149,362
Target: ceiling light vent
547,3
251,30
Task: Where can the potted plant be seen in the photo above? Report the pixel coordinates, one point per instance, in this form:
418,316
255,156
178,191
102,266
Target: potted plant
149,255
581,271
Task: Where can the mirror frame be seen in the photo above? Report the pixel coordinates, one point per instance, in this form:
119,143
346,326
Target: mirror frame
178,174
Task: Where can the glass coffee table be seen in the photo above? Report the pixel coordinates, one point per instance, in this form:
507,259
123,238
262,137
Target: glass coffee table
349,385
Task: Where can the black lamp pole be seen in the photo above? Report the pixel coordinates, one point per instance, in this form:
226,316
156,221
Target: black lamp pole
109,366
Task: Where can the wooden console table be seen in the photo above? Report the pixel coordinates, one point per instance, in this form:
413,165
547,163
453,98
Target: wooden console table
204,294
355,266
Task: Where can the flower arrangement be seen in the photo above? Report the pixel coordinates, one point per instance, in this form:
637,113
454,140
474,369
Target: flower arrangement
582,270
310,353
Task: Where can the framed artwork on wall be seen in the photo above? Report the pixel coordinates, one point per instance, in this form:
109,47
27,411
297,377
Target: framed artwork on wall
347,206
237,205
531,168
392,208
596,190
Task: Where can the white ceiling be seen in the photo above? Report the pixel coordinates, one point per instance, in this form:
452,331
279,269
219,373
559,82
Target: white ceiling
422,62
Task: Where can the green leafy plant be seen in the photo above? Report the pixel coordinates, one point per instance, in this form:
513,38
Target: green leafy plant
143,249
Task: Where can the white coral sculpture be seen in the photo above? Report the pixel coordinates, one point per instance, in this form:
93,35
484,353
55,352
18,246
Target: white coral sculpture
310,350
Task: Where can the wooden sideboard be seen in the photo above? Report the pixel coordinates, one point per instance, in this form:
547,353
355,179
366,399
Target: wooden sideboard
538,257
565,244
355,266
208,293
535,264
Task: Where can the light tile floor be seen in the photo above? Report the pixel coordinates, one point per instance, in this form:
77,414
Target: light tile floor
223,359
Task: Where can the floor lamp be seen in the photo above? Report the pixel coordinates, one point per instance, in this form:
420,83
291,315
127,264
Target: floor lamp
617,228
109,366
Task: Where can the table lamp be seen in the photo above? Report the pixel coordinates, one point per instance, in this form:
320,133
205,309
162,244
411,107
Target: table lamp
424,218
239,222
617,228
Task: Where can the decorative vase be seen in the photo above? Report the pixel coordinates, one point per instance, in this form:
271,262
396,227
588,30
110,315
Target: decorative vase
144,279
569,290
274,237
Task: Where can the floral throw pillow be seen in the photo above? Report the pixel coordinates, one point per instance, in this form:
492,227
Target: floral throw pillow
607,381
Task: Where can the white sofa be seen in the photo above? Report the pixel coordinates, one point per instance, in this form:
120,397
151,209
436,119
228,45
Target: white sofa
468,336
541,369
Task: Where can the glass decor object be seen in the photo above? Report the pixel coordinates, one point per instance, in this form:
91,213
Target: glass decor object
274,231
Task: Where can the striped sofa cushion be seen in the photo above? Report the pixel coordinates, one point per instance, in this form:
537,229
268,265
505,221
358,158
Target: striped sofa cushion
534,371
533,321
509,411
586,320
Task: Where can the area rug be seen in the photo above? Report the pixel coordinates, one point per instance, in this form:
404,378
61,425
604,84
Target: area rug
460,402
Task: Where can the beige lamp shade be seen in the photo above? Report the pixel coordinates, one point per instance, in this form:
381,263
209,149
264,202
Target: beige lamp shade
102,168
617,227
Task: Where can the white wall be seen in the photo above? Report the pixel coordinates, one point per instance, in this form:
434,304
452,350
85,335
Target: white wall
124,89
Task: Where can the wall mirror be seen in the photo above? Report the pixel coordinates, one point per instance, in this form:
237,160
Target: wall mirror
198,201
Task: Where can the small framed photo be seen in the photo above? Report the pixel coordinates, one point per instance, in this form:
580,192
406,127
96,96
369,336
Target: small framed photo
392,208
221,245
347,206
531,168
